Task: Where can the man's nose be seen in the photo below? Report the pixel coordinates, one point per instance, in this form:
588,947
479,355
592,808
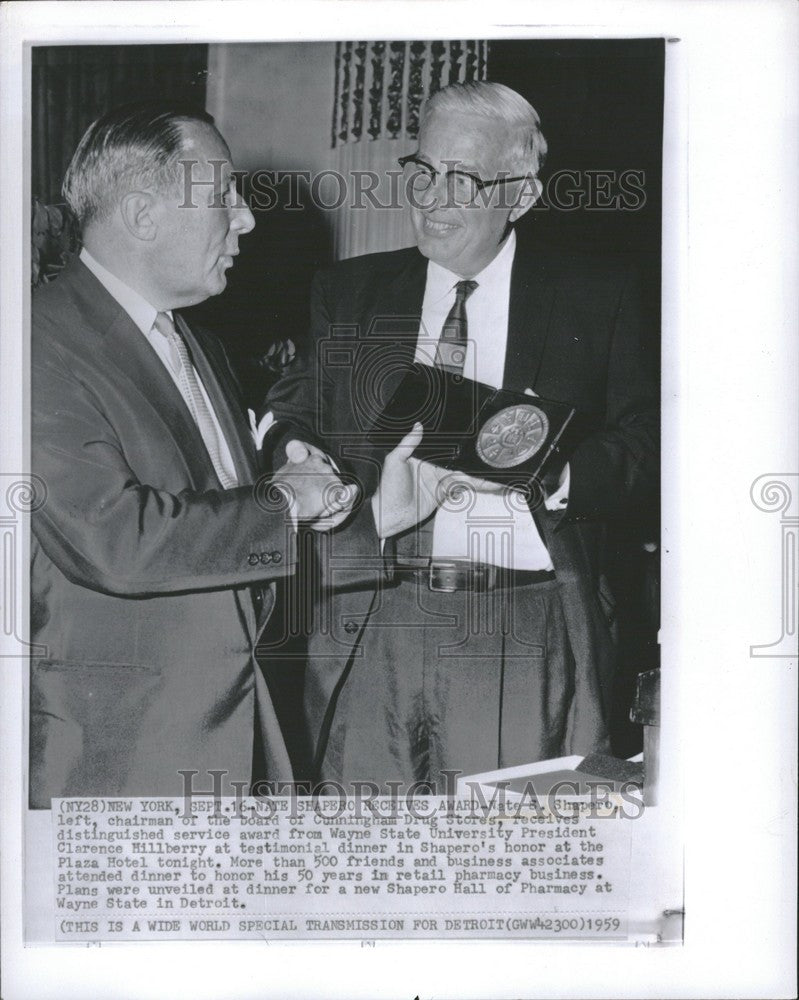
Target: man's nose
241,218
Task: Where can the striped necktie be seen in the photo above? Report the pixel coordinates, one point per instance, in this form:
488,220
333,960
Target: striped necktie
192,394
451,348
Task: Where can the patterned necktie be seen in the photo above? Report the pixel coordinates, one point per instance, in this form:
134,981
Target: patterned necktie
192,394
451,348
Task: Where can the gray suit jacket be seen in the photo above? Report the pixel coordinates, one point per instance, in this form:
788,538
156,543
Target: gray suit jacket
141,565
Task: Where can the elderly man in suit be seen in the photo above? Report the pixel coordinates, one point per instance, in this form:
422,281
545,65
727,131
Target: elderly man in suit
494,645
153,557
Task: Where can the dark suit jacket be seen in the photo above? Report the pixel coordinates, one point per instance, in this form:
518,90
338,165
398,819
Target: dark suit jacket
141,565
576,333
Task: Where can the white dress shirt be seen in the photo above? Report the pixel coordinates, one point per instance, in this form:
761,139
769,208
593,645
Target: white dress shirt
499,528
143,315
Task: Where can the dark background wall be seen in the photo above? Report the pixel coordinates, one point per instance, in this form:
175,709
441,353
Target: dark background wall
74,84
601,108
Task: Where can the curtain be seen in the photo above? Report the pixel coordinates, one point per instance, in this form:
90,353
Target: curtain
379,91
74,84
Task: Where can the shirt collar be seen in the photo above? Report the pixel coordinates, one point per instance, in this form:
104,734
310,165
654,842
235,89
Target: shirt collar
440,281
138,308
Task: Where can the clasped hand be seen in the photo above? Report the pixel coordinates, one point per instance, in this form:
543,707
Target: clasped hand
316,495
410,488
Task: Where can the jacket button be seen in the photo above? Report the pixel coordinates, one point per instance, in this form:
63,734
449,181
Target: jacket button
350,627
253,559
266,558
277,557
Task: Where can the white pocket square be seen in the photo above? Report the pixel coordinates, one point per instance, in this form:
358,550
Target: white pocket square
259,430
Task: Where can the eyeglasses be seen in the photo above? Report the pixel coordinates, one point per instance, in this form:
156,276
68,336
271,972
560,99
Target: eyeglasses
462,187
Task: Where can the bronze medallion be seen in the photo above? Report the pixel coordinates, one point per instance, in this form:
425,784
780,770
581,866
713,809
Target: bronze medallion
512,435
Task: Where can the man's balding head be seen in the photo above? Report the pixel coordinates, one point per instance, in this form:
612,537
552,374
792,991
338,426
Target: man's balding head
136,146
153,187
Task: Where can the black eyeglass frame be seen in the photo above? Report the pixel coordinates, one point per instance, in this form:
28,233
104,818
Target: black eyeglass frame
479,183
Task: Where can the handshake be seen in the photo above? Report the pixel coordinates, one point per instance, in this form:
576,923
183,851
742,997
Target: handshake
409,491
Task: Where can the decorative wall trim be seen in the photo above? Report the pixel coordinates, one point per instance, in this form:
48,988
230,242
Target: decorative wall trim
380,87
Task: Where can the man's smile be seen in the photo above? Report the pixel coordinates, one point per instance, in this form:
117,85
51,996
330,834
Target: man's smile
437,228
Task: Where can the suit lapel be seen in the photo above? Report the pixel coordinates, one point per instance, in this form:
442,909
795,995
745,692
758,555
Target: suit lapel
130,353
531,298
532,295
389,310
396,308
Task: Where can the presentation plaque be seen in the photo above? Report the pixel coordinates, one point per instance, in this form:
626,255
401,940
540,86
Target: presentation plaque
494,434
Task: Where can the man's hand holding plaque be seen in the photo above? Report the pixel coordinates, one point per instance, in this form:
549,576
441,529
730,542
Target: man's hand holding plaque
474,430
411,489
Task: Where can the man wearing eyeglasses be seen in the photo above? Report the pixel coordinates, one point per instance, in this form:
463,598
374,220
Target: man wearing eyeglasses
494,646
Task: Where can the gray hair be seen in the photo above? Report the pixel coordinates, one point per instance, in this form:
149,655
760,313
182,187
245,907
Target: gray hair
130,147
496,102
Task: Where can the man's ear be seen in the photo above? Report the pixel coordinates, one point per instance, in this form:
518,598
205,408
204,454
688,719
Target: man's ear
138,215
529,194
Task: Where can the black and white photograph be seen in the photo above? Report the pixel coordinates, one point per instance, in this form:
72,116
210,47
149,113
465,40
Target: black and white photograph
183,622
347,521
463,420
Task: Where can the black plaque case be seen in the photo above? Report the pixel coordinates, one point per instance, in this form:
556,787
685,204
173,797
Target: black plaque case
494,434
